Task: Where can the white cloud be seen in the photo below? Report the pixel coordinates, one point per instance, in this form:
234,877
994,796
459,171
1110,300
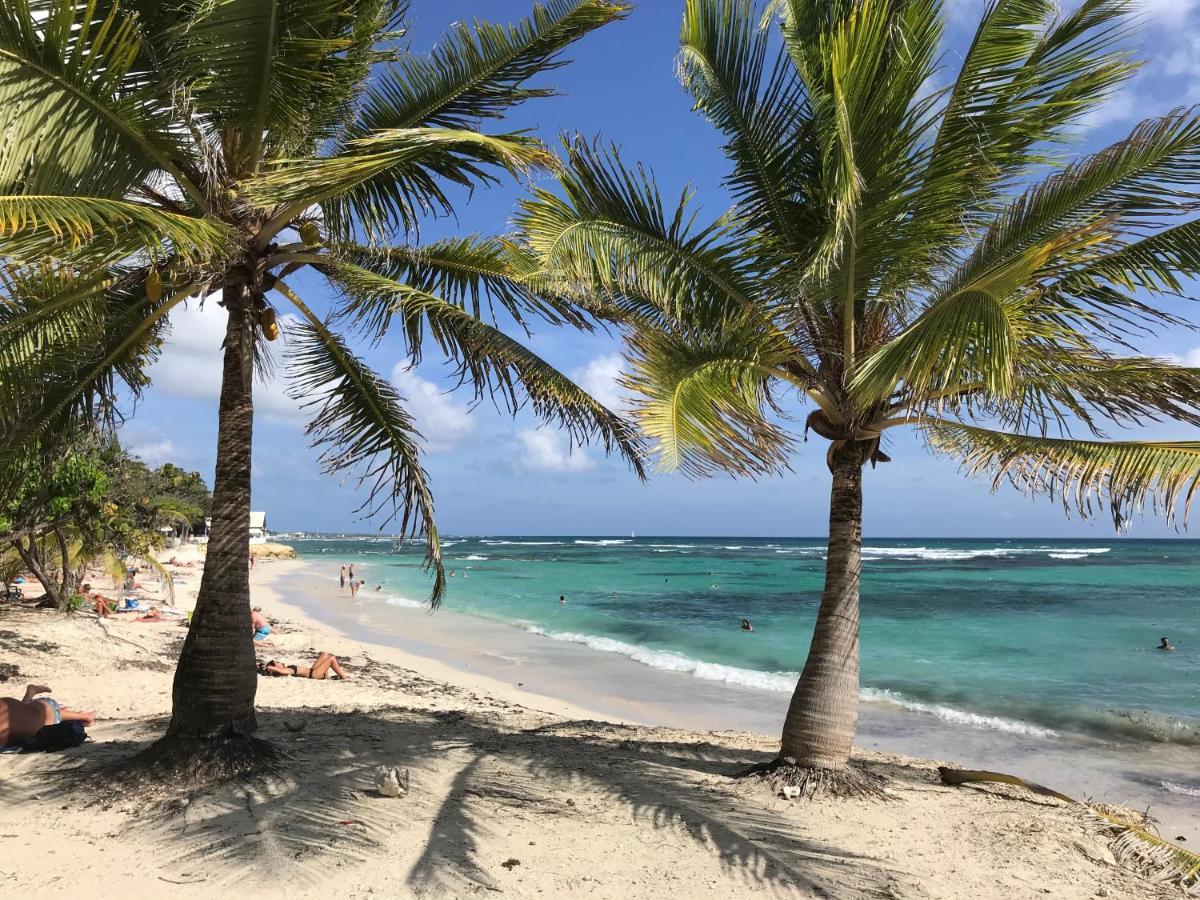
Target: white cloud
190,365
549,451
600,378
444,424
1166,12
155,453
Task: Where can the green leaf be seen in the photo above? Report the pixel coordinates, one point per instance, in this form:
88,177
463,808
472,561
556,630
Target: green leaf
68,81
487,358
101,230
480,71
360,424
1083,475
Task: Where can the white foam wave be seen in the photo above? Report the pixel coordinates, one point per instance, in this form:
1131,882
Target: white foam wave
676,546
1185,790
783,682
403,602
474,556
677,662
957,716
950,554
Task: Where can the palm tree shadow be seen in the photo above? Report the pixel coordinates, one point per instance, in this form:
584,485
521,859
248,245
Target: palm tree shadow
471,779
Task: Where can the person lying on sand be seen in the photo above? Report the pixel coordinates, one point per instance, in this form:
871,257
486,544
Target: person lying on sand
20,720
320,668
152,616
258,622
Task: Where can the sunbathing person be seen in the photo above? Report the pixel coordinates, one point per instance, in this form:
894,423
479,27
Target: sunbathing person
320,668
259,624
20,720
153,616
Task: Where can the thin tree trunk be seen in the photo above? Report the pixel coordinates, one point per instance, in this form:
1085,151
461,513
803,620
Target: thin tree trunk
33,561
823,714
67,581
215,681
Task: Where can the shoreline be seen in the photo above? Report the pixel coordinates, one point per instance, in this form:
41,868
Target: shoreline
502,797
540,671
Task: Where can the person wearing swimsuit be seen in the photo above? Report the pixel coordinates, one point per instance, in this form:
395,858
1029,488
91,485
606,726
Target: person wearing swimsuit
318,671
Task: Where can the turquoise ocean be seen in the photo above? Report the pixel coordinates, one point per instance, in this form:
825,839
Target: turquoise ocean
1033,637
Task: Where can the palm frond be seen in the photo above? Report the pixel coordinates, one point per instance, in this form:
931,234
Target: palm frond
1053,385
273,70
704,399
473,272
1084,475
760,109
612,232
1136,843
481,71
99,230
115,336
385,181
491,361
1132,187
360,425
68,80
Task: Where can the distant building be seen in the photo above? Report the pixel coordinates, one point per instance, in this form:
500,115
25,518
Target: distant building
258,527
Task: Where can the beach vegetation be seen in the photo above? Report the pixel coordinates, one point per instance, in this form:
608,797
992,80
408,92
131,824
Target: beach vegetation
74,501
251,154
911,246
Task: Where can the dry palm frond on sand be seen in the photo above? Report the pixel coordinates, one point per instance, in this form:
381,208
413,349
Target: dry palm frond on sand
1132,834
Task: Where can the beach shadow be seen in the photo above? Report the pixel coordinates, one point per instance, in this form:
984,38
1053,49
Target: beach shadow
473,782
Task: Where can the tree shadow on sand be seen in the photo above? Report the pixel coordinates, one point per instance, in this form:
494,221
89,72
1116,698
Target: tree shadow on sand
474,782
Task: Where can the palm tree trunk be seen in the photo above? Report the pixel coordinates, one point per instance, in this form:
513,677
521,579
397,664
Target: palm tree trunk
823,714
215,681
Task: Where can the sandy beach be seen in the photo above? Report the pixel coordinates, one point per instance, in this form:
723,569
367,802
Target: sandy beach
510,791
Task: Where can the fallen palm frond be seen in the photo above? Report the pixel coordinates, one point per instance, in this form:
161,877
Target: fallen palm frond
1135,842
1133,839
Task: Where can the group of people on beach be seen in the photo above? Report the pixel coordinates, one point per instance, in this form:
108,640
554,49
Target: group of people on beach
23,720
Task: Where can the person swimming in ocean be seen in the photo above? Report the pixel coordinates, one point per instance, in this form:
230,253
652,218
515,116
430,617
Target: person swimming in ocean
562,598
746,626
1165,645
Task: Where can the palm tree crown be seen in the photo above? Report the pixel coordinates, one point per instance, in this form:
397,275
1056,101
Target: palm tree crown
154,152
157,152
899,256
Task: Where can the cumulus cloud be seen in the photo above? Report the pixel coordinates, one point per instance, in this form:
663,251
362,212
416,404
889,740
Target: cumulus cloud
544,450
600,378
444,423
155,453
190,365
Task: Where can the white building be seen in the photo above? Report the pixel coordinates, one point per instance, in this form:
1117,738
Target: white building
258,527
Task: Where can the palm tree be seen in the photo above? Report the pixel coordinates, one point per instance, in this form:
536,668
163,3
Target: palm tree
898,256
156,152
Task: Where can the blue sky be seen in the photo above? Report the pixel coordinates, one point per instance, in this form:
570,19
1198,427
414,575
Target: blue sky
495,475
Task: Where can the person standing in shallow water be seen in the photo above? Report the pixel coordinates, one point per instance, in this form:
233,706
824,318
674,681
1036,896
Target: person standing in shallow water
351,573
342,578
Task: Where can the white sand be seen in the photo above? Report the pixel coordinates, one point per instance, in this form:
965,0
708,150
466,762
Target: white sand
510,792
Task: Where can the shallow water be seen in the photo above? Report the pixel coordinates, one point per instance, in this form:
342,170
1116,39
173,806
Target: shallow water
1028,637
